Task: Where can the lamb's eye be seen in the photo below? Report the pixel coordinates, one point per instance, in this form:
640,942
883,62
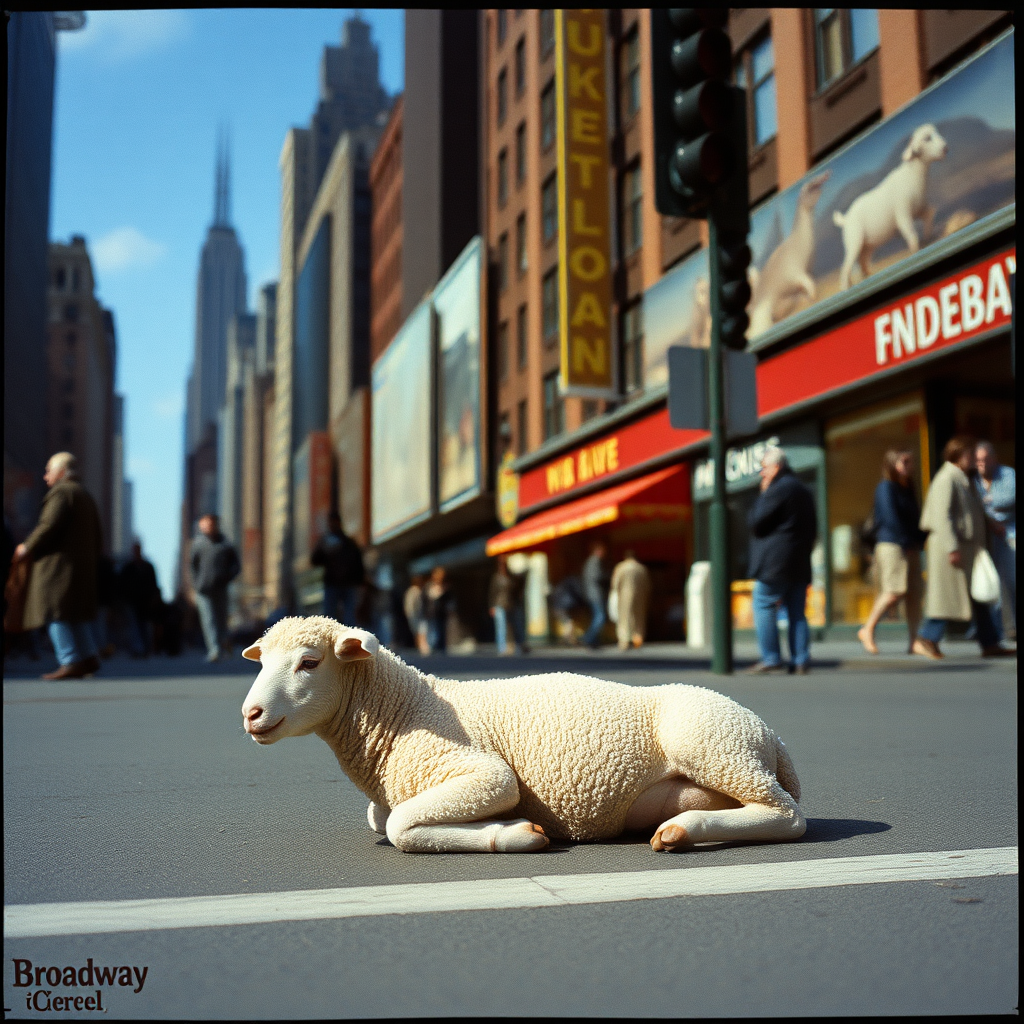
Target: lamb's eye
308,664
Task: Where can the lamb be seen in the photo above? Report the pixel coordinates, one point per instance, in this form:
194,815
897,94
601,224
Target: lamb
891,206
506,765
785,275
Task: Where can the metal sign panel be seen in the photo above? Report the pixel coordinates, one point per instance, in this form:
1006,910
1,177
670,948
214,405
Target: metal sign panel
588,364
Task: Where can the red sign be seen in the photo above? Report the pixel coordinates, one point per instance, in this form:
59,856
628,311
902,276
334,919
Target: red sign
946,313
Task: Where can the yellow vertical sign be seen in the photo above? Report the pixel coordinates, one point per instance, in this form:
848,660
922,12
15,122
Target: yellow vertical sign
584,228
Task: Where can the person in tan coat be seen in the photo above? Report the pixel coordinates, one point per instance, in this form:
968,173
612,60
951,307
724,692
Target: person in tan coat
954,519
65,548
631,583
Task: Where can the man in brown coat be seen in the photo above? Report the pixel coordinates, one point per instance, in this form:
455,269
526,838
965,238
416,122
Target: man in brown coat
65,548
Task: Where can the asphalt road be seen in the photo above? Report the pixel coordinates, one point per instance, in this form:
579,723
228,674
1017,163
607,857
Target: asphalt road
142,785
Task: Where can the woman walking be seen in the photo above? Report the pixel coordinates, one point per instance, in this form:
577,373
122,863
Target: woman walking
898,547
955,520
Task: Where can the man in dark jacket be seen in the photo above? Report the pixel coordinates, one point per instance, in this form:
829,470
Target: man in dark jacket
342,560
65,546
595,587
214,565
783,531
141,595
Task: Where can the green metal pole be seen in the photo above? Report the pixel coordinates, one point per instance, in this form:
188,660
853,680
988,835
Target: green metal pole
721,591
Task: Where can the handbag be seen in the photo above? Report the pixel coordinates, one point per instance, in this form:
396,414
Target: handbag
984,579
613,605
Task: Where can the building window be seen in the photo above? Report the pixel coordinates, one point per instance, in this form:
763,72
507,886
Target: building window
502,179
842,37
522,433
631,74
521,337
521,243
554,406
504,433
547,31
549,298
76,278
588,409
59,278
503,351
632,347
503,262
549,207
502,23
755,72
547,116
520,65
502,96
521,154
632,210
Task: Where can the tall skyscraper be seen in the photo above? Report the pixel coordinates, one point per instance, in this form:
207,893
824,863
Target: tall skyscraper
220,294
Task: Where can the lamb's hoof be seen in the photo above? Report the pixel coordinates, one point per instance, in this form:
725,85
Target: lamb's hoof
520,837
669,838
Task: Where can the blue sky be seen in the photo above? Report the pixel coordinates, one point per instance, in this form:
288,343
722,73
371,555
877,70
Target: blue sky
139,98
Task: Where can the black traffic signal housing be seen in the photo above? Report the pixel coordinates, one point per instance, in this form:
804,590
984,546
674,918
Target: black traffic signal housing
691,62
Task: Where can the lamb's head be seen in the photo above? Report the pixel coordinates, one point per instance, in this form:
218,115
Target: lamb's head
301,683
810,191
926,144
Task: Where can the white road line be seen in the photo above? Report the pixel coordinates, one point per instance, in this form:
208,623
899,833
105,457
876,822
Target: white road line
36,920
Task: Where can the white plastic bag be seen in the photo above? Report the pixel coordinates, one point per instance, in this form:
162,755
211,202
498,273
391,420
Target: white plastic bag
984,579
613,605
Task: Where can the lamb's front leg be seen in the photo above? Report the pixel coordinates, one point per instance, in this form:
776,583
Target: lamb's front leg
377,815
457,815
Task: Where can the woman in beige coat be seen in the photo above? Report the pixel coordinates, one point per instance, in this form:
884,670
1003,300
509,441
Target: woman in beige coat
954,519
631,582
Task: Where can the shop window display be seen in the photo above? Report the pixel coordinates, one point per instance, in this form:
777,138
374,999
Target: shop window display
855,446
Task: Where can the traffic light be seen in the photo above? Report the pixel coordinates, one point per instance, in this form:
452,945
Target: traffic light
733,256
694,108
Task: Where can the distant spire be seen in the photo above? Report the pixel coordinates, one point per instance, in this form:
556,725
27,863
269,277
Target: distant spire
222,194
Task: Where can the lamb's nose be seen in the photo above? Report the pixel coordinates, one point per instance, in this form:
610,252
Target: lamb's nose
254,713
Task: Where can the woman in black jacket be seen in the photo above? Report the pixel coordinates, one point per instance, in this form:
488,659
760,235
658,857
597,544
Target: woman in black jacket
898,545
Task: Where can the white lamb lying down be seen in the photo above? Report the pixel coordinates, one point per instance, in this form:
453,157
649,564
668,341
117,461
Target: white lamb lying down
500,765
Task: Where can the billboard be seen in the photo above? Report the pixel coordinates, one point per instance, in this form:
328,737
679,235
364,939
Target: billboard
944,161
588,366
401,438
456,302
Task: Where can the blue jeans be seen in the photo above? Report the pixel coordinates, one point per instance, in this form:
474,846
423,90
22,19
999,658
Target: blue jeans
72,641
347,597
984,628
504,619
599,618
1005,558
213,616
767,600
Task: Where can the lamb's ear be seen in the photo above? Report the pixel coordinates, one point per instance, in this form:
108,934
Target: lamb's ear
355,644
252,653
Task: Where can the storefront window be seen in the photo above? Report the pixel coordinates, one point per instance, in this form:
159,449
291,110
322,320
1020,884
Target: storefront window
855,446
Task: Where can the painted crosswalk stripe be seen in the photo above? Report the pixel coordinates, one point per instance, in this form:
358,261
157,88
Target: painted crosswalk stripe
89,918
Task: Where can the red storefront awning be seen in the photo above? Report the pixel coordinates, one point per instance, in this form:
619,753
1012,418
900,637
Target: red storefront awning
664,495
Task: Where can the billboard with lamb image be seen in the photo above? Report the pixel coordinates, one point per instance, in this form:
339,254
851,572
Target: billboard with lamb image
942,162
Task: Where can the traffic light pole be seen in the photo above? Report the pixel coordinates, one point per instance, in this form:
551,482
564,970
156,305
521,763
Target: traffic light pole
721,588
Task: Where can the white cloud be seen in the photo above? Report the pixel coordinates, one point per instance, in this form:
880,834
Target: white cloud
123,35
124,249
169,407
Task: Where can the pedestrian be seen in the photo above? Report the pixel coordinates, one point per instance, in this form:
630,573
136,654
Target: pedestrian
997,486
214,565
783,530
898,545
631,583
141,595
438,604
65,549
595,590
506,605
954,517
412,605
382,596
344,574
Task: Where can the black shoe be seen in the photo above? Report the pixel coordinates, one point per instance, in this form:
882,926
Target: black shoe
91,665
762,669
